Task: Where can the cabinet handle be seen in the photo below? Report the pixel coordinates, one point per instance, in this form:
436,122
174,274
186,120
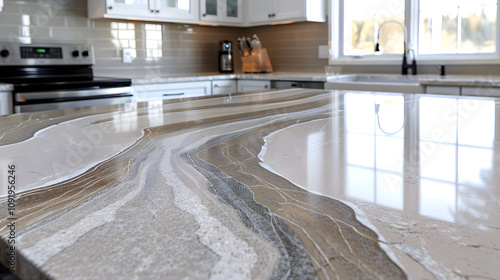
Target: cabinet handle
173,94
157,11
273,15
269,15
216,85
266,86
152,11
110,8
204,15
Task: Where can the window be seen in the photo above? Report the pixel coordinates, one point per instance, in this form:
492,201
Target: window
153,40
124,36
451,26
445,30
361,27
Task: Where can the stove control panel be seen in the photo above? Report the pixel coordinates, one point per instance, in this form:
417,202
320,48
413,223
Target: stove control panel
41,52
18,54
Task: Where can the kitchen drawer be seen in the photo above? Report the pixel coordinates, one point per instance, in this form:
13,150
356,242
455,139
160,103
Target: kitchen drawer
293,84
171,90
450,90
481,91
253,85
223,87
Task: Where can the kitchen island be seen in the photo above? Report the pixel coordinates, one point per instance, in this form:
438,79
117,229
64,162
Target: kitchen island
288,184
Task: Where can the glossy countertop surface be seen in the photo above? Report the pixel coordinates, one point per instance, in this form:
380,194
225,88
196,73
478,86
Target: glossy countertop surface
461,80
424,80
295,184
158,78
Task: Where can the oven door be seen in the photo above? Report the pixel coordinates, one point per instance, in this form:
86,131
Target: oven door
67,99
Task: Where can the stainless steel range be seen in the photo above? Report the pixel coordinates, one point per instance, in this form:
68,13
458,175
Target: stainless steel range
51,77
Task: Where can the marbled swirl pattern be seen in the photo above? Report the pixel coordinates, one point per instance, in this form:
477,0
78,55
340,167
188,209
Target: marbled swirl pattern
177,189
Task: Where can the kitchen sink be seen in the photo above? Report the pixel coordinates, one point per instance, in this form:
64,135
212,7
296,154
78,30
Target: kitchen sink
385,83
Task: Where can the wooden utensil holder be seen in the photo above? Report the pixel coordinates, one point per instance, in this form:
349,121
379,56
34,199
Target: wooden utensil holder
257,62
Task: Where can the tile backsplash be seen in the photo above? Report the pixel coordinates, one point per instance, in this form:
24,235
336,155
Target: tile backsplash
294,47
159,48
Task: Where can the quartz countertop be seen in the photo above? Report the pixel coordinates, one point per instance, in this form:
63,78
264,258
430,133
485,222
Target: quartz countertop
157,78
425,80
457,80
296,184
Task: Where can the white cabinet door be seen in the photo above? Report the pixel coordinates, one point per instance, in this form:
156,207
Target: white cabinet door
260,10
274,11
184,10
223,87
252,85
156,92
133,8
1,5
221,11
289,10
6,105
481,91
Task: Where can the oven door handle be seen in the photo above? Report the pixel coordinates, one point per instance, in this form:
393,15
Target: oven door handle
174,94
26,96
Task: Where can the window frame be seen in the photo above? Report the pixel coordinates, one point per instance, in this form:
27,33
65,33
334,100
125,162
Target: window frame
336,34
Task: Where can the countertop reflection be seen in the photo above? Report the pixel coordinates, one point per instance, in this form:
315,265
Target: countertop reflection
428,155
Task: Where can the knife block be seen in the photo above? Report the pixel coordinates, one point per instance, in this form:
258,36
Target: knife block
257,62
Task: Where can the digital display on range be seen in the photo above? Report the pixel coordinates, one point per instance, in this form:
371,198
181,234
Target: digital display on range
41,52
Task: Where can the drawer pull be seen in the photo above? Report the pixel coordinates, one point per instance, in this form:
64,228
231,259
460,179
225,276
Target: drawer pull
173,94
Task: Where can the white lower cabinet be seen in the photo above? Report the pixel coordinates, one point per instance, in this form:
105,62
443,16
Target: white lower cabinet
252,85
6,105
171,90
155,92
223,87
481,91
464,91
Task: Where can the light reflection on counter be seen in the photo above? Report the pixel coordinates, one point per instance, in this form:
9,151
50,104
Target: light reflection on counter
375,147
422,155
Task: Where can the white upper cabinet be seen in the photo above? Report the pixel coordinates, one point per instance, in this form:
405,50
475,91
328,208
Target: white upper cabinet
221,11
286,9
186,10
276,11
260,10
121,8
157,10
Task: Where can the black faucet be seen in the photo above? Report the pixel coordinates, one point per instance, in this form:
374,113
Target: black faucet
442,70
404,66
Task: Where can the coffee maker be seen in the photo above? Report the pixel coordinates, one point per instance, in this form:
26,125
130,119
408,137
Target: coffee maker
225,57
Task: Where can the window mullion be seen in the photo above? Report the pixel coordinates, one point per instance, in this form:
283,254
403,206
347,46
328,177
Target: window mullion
411,21
459,29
